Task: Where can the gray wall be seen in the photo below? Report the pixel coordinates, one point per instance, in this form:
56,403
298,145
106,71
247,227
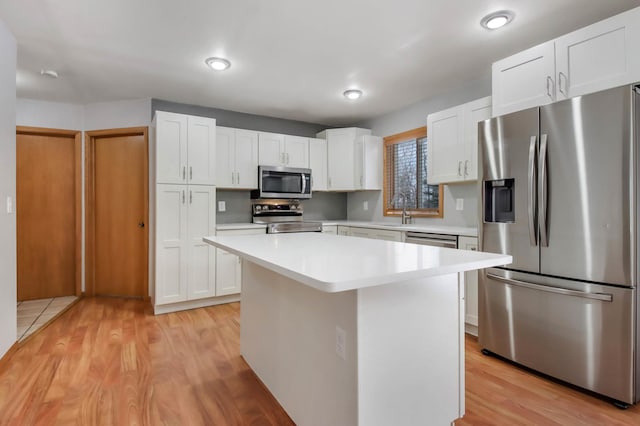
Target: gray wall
409,118
8,296
322,206
241,120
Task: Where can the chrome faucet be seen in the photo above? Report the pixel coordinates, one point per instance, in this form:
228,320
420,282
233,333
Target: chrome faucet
406,217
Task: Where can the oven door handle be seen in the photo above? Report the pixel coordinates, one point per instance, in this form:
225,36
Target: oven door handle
605,297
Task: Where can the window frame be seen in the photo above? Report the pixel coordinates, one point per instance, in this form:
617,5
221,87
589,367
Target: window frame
387,210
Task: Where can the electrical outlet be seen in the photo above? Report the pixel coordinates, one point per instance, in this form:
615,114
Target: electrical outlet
459,203
341,343
9,205
222,206
365,205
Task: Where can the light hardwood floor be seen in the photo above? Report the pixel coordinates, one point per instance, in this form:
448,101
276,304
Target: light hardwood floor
110,361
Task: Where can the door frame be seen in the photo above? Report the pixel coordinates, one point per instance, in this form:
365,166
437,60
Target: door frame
77,136
90,200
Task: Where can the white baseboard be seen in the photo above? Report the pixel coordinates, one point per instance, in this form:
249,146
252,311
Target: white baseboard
193,304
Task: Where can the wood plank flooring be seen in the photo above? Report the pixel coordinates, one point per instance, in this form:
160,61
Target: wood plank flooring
111,362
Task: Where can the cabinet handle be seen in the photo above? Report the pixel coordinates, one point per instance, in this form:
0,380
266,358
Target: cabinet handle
466,167
190,197
183,196
550,88
184,172
233,178
560,76
287,154
459,168
329,182
237,178
190,173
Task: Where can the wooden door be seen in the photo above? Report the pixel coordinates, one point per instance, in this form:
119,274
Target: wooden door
117,258
48,212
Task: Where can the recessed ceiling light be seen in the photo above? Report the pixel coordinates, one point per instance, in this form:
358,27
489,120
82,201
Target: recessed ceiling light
497,20
352,94
218,64
49,73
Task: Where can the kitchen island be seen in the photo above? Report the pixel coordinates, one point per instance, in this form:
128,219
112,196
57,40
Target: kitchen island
351,331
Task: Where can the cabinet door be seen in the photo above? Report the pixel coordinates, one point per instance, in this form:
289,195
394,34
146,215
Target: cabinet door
296,151
524,80
225,157
171,148
470,283
372,163
474,112
270,149
340,159
318,164
171,244
228,273
201,268
246,159
330,229
598,57
201,136
445,147
344,230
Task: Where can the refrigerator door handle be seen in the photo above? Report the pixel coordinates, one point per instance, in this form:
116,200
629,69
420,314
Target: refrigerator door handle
532,207
542,192
605,297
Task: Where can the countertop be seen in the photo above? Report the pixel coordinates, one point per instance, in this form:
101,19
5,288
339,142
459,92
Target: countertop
334,263
438,229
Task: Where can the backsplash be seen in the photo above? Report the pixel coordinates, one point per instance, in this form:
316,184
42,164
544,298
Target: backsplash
322,206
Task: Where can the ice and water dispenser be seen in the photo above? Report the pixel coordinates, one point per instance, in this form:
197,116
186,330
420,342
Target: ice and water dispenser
499,201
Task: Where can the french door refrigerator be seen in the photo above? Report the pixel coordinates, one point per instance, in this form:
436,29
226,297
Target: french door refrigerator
560,194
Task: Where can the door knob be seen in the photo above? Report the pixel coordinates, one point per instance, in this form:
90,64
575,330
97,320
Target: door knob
140,224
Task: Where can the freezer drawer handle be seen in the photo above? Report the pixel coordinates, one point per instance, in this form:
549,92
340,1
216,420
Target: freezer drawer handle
605,297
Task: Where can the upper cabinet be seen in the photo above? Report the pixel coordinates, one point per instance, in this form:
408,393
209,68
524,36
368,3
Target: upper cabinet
587,60
341,157
283,150
452,148
185,149
318,164
237,158
368,162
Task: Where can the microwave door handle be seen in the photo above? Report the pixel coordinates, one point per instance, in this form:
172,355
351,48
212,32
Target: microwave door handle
304,183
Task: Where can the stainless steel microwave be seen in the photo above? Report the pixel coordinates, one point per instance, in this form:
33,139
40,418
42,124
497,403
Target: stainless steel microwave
284,182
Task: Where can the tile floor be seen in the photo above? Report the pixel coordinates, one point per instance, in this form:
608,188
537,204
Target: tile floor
33,314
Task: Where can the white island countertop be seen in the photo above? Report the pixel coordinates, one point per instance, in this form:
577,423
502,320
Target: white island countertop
333,263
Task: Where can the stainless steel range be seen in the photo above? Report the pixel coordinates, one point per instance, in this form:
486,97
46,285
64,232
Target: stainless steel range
282,215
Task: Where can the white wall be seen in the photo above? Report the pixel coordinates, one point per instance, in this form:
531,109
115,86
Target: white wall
52,115
8,319
115,115
409,118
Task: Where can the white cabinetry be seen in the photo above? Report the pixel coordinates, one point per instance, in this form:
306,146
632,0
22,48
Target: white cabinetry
330,229
470,288
184,264
373,233
283,150
228,265
318,164
587,60
453,142
368,162
237,158
341,154
185,149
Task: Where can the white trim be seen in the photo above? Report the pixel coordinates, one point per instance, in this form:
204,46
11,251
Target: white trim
193,304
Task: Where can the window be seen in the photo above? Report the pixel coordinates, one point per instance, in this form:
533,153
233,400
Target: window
405,176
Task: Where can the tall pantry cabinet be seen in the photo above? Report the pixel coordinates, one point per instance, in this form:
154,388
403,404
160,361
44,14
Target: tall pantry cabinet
183,177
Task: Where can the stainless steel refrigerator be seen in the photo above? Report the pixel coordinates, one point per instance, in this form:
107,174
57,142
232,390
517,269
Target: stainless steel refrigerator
560,193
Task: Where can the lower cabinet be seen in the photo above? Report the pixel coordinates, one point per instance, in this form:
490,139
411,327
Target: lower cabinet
470,288
184,264
373,233
228,271
330,229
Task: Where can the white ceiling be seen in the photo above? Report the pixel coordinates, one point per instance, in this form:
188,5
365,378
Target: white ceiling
290,58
